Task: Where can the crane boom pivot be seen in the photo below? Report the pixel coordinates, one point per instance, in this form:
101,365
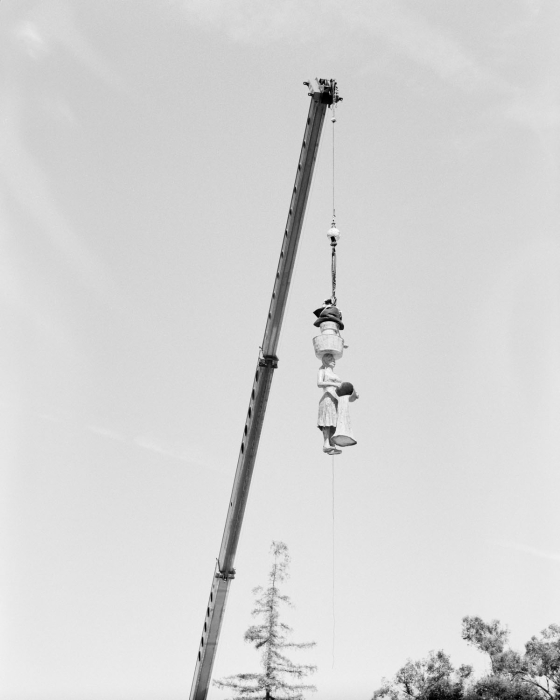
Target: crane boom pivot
325,94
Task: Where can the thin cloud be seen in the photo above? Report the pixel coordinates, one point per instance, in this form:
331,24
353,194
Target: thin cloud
175,451
50,24
538,109
257,22
32,40
29,186
540,553
400,27
180,450
430,47
105,432
21,175
254,21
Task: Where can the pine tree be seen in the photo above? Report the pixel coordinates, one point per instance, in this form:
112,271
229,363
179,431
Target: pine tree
280,676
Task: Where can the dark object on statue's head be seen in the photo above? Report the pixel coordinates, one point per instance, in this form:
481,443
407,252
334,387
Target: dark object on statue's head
329,313
345,389
319,311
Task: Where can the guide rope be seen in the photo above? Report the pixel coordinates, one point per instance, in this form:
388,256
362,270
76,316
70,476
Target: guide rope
333,609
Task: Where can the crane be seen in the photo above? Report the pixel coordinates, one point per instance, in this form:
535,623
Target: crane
324,94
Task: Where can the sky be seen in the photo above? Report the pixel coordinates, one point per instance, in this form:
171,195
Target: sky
147,156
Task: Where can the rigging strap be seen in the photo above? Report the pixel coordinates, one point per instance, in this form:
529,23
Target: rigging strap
333,271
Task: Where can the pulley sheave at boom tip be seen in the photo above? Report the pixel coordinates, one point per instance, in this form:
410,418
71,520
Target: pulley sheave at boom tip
327,89
323,94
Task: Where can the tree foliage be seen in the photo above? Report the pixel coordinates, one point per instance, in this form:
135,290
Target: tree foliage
537,671
428,679
533,675
488,637
280,678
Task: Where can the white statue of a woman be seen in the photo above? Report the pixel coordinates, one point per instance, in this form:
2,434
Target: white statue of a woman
334,418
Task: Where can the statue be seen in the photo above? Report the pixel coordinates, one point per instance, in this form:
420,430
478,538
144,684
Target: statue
334,414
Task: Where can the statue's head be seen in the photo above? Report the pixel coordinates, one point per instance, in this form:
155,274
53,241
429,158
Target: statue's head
328,360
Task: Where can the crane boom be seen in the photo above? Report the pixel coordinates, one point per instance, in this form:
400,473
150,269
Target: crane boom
324,95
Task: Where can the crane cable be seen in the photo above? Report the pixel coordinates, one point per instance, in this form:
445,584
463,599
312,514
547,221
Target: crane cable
333,225
333,120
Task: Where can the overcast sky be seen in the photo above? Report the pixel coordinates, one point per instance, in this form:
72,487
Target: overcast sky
148,154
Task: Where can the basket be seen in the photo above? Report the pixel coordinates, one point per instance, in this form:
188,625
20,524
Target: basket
327,343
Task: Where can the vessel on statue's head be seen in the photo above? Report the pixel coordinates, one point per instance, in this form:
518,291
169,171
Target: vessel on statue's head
329,320
328,312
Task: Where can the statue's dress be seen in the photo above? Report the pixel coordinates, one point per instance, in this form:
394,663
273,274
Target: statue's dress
329,400
343,435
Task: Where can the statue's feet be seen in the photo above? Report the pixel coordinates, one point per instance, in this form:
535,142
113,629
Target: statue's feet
327,448
334,451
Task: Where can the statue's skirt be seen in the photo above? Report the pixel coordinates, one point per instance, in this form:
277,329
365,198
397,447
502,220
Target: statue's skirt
327,411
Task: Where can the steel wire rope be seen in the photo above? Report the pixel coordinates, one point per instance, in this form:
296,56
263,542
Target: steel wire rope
333,120
333,225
